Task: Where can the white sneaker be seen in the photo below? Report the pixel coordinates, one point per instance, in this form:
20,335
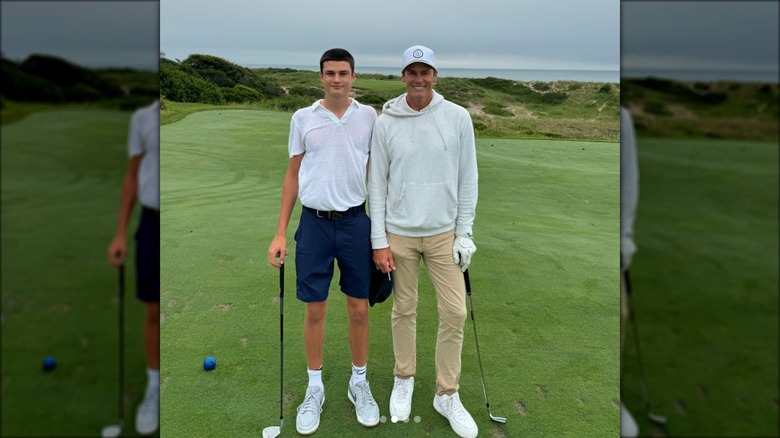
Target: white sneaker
628,426
147,417
308,419
453,410
401,398
366,409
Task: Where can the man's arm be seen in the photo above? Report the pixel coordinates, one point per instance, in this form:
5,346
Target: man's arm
629,187
467,179
278,248
378,173
117,250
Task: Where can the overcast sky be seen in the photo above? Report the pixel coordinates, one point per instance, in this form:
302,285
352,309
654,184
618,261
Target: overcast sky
700,35
527,34
87,33
517,34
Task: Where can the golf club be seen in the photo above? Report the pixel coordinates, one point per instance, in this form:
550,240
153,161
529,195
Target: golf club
275,431
115,430
482,372
657,419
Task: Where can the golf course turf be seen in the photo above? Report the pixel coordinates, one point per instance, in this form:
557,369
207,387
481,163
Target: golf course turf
543,291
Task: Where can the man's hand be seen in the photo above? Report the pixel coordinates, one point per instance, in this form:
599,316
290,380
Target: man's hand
277,250
383,259
462,250
117,251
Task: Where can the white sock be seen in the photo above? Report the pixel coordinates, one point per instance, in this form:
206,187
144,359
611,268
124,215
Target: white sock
358,374
315,378
153,381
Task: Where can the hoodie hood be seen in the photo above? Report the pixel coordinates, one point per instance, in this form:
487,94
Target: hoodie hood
399,108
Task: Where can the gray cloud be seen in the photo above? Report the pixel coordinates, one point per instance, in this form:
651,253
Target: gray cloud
489,33
89,33
705,35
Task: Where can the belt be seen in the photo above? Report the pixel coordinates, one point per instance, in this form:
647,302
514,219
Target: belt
336,215
152,211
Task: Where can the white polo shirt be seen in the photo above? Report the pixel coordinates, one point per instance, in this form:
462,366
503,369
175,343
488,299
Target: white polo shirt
333,170
145,139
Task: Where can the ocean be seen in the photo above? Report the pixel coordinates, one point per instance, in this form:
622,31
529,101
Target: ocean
611,76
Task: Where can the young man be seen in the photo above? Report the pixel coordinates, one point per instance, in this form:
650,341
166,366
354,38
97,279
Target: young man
329,145
423,196
142,182
629,191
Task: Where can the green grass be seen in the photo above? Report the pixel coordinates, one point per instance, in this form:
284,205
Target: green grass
719,109
397,87
705,283
62,170
544,292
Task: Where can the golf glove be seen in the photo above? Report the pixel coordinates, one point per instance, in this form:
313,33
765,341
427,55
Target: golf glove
462,250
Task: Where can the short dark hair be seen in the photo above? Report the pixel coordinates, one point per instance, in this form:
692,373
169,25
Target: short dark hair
337,55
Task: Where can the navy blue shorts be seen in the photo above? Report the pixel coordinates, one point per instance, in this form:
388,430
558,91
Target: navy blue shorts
147,256
320,241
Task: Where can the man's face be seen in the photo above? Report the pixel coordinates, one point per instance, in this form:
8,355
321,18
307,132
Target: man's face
337,78
419,79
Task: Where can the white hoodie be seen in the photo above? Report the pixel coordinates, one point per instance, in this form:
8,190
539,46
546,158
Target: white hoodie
422,177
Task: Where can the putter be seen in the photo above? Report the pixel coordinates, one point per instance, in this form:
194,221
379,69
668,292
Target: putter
275,431
501,420
115,430
657,419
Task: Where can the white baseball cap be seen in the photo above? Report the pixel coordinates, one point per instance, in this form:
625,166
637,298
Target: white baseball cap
419,54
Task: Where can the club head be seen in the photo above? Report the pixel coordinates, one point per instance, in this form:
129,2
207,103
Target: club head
272,432
657,419
112,431
501,420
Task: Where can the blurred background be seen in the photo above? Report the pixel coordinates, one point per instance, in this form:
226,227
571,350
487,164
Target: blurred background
700,80
72,73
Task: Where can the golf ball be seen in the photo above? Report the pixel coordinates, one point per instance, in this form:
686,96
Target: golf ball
210,363
49,363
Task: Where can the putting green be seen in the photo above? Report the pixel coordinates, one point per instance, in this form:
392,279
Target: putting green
544,292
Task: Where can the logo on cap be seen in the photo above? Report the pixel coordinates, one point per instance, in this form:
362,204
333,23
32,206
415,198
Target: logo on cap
418,53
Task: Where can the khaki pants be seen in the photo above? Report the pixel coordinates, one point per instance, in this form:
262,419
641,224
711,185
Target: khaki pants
436,252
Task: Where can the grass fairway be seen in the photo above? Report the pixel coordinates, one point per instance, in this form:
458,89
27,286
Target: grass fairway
705,284
544,284
61,176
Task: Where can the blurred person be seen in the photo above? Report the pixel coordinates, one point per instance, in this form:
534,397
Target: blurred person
422,201
629,194
142,183
329,145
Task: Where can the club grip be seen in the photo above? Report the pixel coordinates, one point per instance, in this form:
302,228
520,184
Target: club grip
468,282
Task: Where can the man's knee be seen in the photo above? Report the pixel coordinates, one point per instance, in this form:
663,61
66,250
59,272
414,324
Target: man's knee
315,312
453,316
358,311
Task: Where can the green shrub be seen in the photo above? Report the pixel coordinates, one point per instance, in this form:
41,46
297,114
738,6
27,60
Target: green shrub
553,98
178,86
310,92
497,109
242,94
541,86
656,108
374,98
291,103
